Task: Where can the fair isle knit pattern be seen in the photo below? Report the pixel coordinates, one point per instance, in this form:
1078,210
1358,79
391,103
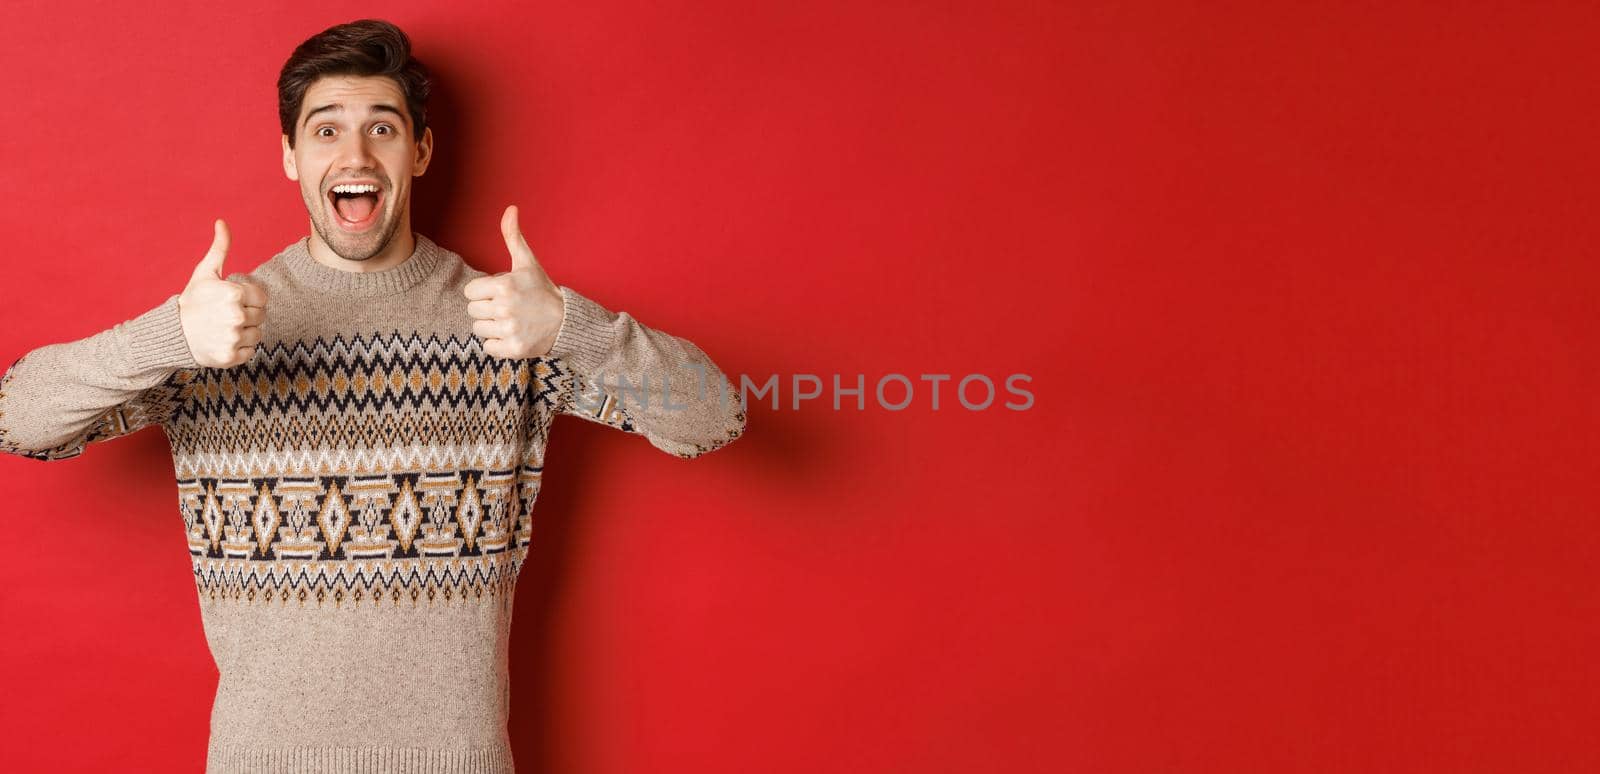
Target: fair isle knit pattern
357,498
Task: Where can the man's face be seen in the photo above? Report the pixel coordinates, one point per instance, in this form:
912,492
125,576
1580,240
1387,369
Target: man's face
355,130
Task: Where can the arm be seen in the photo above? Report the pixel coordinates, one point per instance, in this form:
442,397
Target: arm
615,368
56,399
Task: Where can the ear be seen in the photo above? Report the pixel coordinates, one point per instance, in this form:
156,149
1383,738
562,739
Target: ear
288,161
424,153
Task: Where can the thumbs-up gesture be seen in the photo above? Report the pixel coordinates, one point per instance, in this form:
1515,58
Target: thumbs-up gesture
221,319
516,313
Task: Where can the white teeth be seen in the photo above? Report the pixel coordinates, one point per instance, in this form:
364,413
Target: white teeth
355,189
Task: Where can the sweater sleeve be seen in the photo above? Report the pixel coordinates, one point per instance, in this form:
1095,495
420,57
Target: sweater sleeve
56,399
622,373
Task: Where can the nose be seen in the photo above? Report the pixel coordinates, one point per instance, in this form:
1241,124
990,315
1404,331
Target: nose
354,152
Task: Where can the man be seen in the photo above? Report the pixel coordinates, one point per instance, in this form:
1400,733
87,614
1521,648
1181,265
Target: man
358,429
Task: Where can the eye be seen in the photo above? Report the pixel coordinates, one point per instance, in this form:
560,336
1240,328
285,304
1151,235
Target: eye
322,129
387,128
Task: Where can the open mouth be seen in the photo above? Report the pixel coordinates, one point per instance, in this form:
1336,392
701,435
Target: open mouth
356,205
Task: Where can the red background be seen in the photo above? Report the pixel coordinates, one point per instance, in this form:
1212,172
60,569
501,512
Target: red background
1309,481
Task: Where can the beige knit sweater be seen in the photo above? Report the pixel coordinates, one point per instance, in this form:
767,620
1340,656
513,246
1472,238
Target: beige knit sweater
357,497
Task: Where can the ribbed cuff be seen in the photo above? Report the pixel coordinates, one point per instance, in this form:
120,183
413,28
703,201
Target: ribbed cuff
584,339
229,758
155,339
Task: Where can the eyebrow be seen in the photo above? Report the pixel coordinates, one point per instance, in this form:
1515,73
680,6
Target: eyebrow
336,107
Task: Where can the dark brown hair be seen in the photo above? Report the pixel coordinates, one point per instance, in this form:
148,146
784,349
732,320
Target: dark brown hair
362,48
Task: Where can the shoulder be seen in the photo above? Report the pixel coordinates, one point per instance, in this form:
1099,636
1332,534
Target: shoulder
274,270
455,271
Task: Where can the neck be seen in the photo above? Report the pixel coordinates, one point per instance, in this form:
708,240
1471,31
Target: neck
317,276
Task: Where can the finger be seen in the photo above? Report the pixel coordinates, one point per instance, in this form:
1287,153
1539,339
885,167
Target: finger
255,296
254,316
491,329
249,337
211,264
485,287
521,254
483,309
245,353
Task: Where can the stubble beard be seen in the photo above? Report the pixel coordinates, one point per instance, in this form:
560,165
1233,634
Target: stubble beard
355,247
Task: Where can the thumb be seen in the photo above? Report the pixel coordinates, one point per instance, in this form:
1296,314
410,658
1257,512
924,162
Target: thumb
211,264
521,254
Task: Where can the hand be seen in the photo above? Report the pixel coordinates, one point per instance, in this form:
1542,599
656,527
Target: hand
221,319
516,313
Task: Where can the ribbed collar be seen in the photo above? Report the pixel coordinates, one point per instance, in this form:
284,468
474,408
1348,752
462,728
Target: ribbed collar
396,279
